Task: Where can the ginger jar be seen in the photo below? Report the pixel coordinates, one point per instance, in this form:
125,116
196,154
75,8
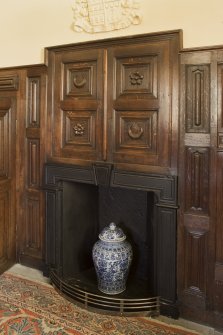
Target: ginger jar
112,256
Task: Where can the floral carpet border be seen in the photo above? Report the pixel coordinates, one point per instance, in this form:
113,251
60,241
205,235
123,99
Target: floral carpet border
28,307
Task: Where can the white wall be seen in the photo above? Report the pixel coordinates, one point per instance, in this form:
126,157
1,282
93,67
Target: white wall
27,26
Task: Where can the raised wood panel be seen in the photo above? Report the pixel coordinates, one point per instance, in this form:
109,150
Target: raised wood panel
4,223
142,102
219,226
218,285
7,177
78,112
127,75
136,134
166,261
9,82
33,241
5,141
197,98
33,175
32,141
196,242
78,131
218,274
137,75
220,106
80,80
197,180
33,101
196,225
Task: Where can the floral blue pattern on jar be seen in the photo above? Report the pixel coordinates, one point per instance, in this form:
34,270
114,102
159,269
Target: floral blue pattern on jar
112,257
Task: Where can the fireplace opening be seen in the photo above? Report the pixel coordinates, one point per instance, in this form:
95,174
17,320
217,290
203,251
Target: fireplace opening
79,205
87,209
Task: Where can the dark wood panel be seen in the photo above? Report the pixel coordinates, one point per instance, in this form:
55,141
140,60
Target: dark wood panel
34,234
219,226
4,222
197,180
9,82
8,180
115,82
140,83
78,113
33,173
33,101
198,98
31,139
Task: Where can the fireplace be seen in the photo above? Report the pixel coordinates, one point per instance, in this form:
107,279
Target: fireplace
80,202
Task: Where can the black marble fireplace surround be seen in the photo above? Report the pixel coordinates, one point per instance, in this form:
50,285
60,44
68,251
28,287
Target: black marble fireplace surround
81,200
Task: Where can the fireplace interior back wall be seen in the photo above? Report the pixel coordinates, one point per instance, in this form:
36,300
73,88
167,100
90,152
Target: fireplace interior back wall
87,209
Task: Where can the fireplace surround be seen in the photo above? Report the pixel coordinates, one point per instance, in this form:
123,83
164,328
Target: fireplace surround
80,201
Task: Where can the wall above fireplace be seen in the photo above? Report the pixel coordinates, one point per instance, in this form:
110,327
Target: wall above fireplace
115,101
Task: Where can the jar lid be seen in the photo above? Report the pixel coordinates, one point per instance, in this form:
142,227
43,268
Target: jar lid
112,233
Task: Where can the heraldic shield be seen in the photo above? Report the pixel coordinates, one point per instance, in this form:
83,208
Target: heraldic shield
104,15
103,12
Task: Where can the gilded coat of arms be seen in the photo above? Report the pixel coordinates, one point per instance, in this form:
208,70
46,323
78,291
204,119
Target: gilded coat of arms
105,15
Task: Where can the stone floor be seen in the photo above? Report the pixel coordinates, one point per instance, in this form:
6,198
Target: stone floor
37,275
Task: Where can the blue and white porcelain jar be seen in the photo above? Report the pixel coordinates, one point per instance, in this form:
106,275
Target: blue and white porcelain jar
112,256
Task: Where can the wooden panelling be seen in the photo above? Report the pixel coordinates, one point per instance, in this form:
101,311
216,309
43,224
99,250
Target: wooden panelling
196,225
137,75
197,180
4,222
33,229
78,105
197,98
116,103
196,259
8,116
33,102
33,177
5,141
140,104
218,275
30,225
9,82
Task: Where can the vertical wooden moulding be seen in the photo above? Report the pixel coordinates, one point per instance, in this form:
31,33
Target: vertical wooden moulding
4,224
34,162
197,98
196,257
33,103
219,237
31,229
196,180
33,233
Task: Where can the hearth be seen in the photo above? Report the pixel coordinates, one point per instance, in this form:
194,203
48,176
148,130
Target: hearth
80,202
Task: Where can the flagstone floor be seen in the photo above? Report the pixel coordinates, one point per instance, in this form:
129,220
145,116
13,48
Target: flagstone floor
37,275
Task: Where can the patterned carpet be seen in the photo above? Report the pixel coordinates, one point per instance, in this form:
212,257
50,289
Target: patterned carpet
30,308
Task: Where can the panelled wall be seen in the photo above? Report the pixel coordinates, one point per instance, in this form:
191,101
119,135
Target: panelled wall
31,229
199,166
22,110
200,252
8,109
